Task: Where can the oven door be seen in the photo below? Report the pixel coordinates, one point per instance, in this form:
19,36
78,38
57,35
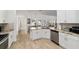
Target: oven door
4,43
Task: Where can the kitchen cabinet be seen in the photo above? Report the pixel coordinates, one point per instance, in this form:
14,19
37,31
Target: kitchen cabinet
67,16
7,16
62,40
39,33
61,16
10,16
45,33
2,16
71,16
34,34
10,40
68,41
55,36
12,19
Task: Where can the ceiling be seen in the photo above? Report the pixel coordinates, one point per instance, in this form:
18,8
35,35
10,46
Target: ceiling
44,12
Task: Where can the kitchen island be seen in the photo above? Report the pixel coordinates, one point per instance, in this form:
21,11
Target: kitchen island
39,33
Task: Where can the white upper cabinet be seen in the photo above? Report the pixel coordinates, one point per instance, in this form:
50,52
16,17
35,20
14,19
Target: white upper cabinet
71,16
77,16
61,16
7,16
67,16
10,16
2,18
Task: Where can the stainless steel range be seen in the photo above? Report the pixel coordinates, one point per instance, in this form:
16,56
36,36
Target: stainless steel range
3,41
74,29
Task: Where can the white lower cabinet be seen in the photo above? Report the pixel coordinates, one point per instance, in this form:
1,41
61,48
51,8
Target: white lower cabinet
40,33
68,41
33,34
10,39
62,40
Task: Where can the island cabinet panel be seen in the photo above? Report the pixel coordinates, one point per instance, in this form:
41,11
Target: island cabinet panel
40,34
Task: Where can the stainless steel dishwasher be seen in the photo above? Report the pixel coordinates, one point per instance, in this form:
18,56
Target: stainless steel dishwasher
55,36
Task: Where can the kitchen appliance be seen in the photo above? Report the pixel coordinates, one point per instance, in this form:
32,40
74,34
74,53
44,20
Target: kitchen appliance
3,41
55,36
74,29
0,28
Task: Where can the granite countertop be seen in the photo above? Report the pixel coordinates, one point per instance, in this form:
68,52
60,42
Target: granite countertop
36,28
71,33
63,31
67,32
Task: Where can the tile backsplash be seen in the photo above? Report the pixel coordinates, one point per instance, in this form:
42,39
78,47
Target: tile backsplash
66,26
5,27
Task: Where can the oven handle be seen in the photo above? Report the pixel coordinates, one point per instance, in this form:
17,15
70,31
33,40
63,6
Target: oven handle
2,41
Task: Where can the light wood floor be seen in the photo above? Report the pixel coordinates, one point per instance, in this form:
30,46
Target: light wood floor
23,42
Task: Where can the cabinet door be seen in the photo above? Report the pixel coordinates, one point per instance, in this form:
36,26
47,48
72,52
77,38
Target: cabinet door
62,40
34,34
2,16
73,42
46,33
10,39
77,15
10,16
61,16
71,16
68,41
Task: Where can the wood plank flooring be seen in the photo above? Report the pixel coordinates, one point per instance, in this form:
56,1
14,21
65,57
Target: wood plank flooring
23,42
